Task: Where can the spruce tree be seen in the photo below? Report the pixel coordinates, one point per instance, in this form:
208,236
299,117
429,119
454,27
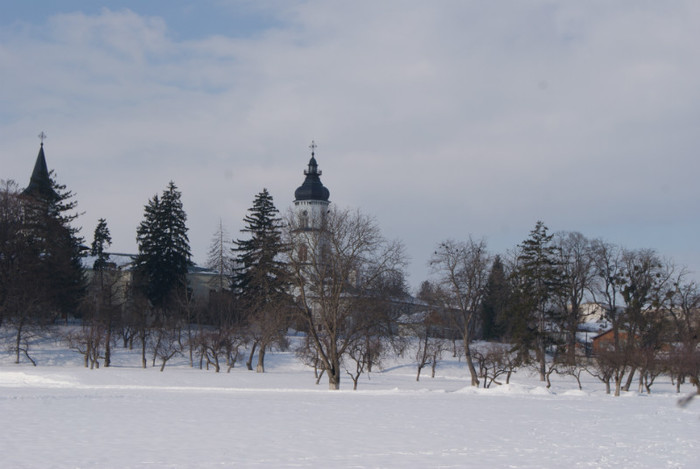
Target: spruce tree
495,305
260,274
539,278
101,240
48,218
102,308
164,250
260,280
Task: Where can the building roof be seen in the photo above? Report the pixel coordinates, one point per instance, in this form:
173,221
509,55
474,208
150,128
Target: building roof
312,188
40,182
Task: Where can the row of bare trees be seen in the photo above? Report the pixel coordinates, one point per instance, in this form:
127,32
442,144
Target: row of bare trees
538,298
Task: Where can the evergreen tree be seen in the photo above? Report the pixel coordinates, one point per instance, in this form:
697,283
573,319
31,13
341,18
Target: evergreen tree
495,305
260,274
42,274
220,258
101,240
48,218
260,280
164,250
539,277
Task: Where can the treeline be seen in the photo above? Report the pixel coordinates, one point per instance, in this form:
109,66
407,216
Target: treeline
343,285
536,298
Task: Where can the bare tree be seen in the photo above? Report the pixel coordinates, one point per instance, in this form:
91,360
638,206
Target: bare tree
462,269
330,266
358,353
87,341
496,360
603,366
308,354
218,345
607,289
10,241
682,306
647,280
220,259
577,268
25,293
165,343
430,347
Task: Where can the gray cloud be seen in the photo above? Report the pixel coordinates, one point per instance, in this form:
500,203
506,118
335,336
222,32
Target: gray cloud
442,119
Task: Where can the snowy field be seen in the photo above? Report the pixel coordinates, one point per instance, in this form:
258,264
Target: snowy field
62,415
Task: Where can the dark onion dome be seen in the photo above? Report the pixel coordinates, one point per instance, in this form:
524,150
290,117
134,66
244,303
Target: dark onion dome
312,188
40,182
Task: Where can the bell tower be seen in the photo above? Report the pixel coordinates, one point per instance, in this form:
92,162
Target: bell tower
311,198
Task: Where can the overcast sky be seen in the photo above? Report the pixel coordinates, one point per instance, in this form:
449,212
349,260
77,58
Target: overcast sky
441,119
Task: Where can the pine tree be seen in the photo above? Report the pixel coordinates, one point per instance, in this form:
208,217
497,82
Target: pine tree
101,240
260,273
539,278
260,280
164,250
100,308
495,304
48,220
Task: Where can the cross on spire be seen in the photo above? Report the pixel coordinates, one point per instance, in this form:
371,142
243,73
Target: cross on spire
313,147
42,137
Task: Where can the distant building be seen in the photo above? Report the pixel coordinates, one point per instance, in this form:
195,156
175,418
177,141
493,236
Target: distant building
310,207
311,198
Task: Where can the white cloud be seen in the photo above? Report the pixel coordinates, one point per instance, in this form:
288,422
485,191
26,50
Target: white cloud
440,118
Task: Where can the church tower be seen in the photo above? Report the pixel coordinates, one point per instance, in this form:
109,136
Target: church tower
311,198
39,187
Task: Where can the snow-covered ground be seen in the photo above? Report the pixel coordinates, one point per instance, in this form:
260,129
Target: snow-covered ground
62,415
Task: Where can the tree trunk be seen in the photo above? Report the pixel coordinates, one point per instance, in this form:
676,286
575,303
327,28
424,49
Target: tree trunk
144,364
470,364
334,376
260,368
618,385
368,347
249,363
18,342
629,380
190,343
108,347
88,350
571,348
542,358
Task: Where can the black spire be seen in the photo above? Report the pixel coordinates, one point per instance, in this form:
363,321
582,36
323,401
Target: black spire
312,188
40,182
